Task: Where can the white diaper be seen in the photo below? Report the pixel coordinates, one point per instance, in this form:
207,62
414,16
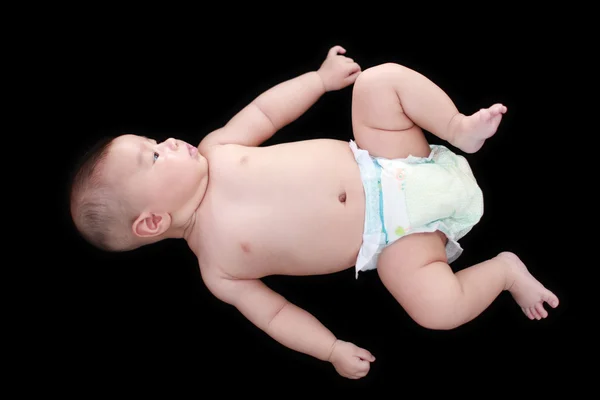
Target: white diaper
413,195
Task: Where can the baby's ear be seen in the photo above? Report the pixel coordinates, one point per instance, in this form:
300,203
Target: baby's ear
150,224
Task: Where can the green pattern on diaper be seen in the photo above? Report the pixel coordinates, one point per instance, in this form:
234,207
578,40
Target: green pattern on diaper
399,231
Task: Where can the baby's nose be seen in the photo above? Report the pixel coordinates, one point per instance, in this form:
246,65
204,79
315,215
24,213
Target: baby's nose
172,143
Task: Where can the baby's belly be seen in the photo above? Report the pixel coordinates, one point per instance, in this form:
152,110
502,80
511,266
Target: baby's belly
298,238
292,211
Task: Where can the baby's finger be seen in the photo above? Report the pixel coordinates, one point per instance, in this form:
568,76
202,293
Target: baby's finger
335,50
352,76
365,370
365,355
362,368
352,68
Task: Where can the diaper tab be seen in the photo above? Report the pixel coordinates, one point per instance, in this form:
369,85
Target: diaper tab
374,237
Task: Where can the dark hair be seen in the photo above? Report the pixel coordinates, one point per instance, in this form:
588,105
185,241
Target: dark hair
99,213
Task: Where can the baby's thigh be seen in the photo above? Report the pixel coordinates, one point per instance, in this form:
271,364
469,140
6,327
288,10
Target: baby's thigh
379,123
414,269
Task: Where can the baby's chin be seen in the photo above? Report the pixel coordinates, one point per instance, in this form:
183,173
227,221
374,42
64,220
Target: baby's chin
204,161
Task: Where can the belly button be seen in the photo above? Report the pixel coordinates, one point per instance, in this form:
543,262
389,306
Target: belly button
245,247
342,198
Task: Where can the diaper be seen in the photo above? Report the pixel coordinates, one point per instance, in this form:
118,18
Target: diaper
414,195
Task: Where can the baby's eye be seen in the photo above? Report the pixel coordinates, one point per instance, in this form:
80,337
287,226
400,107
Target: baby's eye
155,156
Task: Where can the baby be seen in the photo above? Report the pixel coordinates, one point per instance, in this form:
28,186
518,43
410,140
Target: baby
386,200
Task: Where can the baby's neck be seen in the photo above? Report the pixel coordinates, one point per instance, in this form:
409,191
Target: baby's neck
188,228
189,216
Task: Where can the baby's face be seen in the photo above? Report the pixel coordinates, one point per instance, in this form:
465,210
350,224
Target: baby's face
160,177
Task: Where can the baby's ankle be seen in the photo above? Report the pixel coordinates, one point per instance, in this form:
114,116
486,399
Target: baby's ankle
509,276
454,129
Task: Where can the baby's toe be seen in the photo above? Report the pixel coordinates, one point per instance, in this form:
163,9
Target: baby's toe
551,299
497,109
541,311
485,114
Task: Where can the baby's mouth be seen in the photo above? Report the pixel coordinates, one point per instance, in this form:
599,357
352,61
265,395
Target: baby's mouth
192,150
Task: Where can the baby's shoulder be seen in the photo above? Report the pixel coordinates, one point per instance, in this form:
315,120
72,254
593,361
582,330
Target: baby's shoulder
221,284
209,147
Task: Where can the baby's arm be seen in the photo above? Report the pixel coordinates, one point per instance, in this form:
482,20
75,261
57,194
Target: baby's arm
290,325
285,102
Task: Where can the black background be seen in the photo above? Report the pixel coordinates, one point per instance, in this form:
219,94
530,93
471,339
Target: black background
137,320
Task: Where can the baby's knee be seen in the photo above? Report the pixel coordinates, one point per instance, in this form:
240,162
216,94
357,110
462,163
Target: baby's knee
435,315
435,322
380,73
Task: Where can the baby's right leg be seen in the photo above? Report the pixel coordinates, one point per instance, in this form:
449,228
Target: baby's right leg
391,102
415,271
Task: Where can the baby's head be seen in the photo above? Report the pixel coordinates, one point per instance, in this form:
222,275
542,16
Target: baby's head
130,191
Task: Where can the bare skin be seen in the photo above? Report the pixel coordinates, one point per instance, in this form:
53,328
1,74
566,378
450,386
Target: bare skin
527,291
298,209
391,105
470,133
256,218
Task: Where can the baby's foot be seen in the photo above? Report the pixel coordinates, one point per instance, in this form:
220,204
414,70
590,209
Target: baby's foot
470,132
527,291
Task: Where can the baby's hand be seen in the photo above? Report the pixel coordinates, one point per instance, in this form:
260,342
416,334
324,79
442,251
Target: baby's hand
338,71
350,361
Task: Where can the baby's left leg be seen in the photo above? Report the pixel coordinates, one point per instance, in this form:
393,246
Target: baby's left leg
415,271
391,104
